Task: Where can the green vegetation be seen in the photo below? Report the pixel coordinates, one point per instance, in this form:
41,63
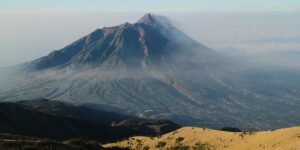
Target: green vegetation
179,140
197,146
179,147
65,121
160,144
202,146
231,129
146,148
45,144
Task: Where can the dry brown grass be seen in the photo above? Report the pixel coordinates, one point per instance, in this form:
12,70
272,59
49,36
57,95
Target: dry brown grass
282,139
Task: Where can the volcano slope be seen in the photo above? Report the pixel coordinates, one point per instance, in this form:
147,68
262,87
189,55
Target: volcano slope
151,69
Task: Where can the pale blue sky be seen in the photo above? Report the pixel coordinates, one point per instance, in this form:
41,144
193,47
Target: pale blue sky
41,26
146,5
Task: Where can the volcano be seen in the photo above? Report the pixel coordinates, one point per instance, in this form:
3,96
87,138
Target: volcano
152,70
151,42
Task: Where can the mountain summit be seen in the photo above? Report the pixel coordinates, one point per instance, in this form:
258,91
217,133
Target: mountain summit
147,19
147,42
155,21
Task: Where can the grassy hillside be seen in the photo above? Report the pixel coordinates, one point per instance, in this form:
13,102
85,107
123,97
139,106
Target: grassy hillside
189,138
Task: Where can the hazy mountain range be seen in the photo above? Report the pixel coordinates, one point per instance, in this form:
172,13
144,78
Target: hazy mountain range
151,69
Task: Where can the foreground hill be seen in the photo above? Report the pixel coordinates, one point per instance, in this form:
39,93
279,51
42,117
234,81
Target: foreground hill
62,121
206,139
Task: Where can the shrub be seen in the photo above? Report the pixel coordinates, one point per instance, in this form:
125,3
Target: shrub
160,144
146,148
115,148
180,147
201,146
179,139
231,129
